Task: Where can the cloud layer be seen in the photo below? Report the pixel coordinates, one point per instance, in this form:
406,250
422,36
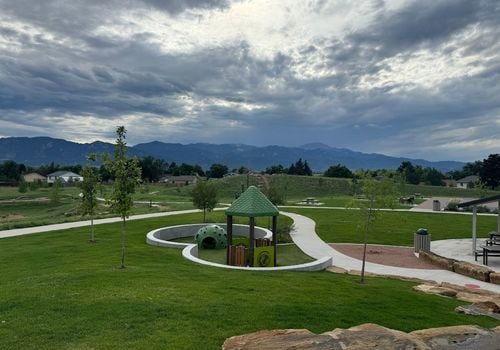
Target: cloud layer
412,78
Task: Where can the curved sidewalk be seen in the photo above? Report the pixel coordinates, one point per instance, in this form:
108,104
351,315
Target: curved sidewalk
304,235
66,225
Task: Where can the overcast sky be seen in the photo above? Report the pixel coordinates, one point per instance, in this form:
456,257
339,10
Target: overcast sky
411,78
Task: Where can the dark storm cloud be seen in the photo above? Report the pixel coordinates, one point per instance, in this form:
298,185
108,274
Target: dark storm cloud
64,69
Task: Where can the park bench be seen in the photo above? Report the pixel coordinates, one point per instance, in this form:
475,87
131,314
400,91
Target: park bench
489,250
494,239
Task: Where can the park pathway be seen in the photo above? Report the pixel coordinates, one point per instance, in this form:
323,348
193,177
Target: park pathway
304,235
66,225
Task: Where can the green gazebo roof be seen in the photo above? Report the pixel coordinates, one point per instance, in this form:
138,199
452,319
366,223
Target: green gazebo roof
252,203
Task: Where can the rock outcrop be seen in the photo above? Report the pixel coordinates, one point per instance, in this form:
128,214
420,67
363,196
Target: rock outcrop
369,336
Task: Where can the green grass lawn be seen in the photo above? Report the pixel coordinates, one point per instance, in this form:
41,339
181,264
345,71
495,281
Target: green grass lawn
394,228
59,292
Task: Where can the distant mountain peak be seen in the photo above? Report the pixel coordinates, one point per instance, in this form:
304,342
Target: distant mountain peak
315,145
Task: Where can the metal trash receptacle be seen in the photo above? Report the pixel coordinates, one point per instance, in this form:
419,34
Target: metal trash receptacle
436,205
422,240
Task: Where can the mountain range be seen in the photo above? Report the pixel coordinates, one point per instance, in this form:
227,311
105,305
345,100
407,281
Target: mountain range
36,151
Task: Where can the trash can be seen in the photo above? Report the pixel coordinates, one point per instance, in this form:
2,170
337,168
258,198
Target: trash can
436,205
422,240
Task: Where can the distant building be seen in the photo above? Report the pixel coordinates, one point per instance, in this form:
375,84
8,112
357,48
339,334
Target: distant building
468,181
65,176
181,180
34,177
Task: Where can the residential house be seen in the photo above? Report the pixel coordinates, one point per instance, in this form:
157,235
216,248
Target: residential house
180,180
34,177
66,177
468,181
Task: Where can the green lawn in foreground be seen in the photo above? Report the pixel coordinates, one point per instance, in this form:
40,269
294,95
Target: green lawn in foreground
59,292
395,228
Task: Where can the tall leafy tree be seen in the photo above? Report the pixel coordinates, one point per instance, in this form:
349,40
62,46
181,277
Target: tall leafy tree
89,186
204,196
490,174
127,175
340,171
218,170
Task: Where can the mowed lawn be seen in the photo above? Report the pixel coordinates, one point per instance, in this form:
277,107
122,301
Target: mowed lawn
393,228
59,292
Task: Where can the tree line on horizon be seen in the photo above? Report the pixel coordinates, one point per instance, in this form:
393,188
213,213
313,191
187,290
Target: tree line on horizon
152,169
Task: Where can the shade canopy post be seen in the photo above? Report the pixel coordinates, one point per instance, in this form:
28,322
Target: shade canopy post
474,229
252,241
275,238
498,218
229,231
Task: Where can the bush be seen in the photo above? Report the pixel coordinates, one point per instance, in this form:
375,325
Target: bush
452,206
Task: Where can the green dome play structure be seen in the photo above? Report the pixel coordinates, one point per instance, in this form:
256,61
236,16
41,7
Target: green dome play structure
211,237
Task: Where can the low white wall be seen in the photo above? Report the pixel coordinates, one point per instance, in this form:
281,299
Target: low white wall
163,236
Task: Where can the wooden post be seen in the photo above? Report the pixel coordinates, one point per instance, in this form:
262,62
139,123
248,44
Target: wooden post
474,232
252,241
275,238
498,218
229,231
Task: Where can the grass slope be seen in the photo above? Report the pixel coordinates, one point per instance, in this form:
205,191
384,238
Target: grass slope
59,292
394,228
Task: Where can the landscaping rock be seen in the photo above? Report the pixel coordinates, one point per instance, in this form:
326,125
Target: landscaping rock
459,337
336,269
431,289
437,260
280,339
369,336
480,309
472,270
495,277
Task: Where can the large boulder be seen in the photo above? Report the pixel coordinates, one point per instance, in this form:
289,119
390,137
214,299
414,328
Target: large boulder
459,337
369,336
495,277
280,339
437,260
478,272
372,336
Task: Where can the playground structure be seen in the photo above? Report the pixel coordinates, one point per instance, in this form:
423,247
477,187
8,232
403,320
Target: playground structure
211,237
252,204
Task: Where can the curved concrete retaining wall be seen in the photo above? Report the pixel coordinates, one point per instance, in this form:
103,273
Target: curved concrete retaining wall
162,237
191,253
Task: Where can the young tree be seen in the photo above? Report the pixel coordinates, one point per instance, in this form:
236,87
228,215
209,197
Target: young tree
55,195
204,196
378,194
89,186
127,175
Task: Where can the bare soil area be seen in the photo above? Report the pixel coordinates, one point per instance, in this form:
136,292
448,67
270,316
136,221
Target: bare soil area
10,217
384,255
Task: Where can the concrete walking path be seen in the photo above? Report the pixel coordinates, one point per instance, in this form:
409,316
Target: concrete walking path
66,225
304,235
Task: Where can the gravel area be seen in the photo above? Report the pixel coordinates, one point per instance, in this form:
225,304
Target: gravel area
384,255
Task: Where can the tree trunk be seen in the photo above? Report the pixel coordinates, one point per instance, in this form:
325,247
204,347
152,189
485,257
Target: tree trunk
204,214
92,240
367,225
123,244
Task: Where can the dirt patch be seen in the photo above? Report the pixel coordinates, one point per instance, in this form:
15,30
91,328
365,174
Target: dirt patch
10,217
385,255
